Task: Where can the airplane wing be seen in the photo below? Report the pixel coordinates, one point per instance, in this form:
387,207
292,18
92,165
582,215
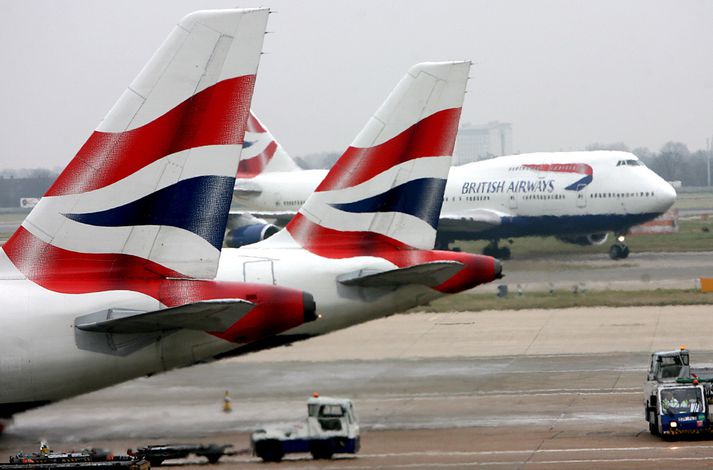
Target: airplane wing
206,315
476,220
427,274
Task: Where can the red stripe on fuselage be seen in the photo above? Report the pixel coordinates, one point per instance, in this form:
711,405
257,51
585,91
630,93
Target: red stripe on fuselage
251,167
580,168
433,136
214,116
335,244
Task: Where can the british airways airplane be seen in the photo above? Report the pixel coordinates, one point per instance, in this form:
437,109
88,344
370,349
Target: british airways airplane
111,276
362,242
578,197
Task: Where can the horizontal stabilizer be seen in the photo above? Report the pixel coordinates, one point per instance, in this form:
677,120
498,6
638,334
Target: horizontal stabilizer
427,274
208,315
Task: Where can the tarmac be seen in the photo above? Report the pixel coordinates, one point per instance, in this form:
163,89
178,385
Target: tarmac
509,389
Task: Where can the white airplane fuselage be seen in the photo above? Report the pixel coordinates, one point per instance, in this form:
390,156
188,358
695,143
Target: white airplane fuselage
338,305
521,201
44,358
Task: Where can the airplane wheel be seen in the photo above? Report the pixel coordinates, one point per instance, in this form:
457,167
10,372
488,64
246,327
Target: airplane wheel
615,252
504,253
625,252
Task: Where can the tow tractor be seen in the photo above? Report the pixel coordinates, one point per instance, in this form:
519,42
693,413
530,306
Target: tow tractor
331,428
677,397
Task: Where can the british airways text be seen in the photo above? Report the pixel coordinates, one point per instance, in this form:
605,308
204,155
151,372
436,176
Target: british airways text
520,186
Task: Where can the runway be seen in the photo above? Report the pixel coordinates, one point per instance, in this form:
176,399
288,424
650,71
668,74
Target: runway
537,388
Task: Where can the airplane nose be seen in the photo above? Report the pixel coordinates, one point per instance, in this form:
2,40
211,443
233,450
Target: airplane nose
664,197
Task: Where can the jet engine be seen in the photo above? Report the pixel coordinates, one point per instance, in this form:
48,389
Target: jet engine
585,240
245,229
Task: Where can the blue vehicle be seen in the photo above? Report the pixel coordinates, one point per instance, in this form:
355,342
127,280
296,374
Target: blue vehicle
678,399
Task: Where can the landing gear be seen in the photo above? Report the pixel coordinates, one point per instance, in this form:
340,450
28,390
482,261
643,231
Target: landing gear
619,250
495,251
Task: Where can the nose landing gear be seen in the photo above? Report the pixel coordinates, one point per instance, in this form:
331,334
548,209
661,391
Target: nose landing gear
619,250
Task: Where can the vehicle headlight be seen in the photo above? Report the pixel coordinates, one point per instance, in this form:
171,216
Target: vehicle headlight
674,424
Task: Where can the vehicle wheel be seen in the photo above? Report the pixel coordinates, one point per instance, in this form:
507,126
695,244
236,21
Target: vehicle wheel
213,458
615,252
321,451
653,429
269,451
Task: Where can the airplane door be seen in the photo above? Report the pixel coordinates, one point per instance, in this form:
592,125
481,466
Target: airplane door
582,196
260,271
512,202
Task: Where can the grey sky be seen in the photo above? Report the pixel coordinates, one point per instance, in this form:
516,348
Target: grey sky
565,73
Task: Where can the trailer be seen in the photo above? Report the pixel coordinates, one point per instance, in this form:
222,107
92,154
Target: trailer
156,454
331,428
678,399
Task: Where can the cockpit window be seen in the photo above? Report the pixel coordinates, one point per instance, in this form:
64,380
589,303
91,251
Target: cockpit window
629,163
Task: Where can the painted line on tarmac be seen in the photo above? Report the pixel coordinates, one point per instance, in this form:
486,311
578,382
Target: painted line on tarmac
438,453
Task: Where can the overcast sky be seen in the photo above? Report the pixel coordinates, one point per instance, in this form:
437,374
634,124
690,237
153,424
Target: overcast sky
564,73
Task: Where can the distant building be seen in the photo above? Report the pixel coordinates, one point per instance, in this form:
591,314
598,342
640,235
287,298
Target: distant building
481,142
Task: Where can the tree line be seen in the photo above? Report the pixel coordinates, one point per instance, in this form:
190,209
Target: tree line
674,162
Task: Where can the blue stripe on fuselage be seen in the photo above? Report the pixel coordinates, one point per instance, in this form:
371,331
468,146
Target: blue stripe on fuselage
199,205
421,198
549,225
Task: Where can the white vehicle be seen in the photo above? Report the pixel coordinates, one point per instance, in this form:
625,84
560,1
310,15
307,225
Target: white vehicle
578,197
331,428
111,276
362,243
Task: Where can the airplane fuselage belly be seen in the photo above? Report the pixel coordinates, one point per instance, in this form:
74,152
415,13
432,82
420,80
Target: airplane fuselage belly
44,358
340,306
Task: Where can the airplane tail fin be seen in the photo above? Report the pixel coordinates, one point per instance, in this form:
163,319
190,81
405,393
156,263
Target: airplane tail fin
388,186
262,153
148,194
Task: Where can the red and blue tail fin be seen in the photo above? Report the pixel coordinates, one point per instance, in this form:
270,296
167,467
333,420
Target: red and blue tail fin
387,188
262,153
148,194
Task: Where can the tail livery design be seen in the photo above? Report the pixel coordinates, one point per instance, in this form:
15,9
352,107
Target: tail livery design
148,193
143,205
383,197
262,153
388,186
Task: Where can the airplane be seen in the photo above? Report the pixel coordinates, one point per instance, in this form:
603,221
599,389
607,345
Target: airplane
362,242
111,275
578,197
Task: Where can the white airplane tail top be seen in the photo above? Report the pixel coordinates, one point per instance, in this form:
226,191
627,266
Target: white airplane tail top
262,153
388,185
148,194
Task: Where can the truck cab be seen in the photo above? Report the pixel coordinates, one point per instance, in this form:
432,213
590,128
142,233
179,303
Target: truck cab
677,398
331,427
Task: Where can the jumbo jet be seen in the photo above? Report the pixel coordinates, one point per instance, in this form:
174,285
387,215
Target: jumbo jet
111,276
578,197
362,243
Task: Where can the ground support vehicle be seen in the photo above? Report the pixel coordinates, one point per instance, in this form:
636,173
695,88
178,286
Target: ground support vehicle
47,459
156,454
678,399
331,428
